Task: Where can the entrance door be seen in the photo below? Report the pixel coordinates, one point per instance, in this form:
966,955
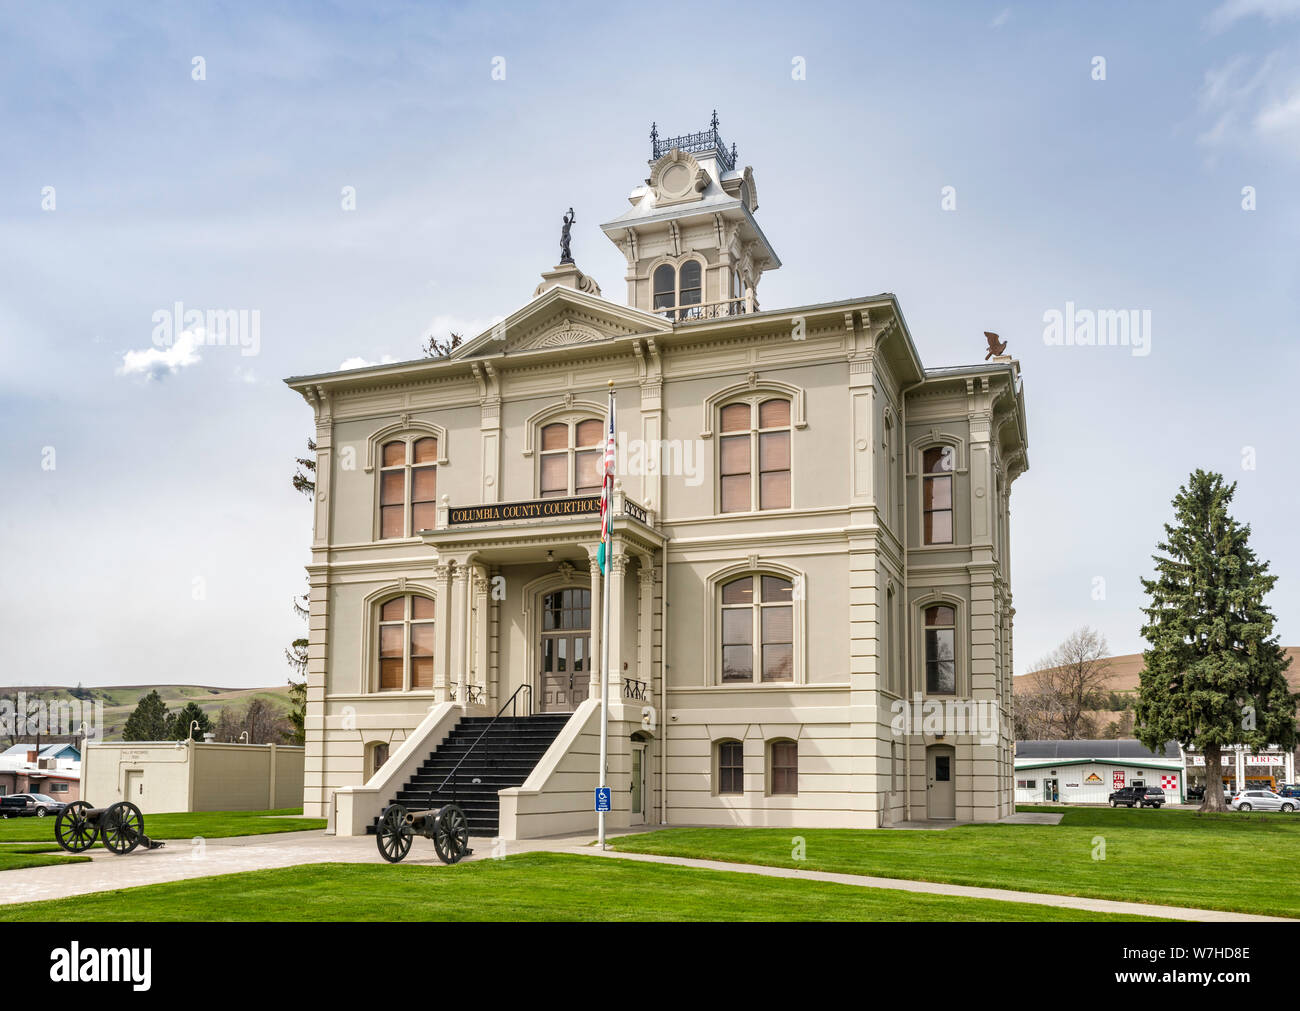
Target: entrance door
940,788
638,787
564,681
566,672
134,787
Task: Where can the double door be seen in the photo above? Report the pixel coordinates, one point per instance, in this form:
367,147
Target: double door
565,678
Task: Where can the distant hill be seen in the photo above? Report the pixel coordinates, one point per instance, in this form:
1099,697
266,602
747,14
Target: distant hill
1125,673
1127,669
120,700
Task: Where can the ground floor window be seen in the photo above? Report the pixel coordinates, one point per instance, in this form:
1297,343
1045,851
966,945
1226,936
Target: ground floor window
785,769
58,788
731,768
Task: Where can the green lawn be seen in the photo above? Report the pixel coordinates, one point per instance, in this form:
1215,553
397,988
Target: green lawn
14,857
1238,862
530,887
208,824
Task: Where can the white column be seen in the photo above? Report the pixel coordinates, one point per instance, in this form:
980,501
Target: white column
458,671
441,630
617,569
481,585
645,633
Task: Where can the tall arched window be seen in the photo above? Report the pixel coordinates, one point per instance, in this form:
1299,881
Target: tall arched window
940,650
408,487
690,284
570,458
406,641
757,629
678,290
936,504
665,286
754,456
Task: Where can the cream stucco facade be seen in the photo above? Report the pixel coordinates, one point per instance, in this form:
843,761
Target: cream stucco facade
850,449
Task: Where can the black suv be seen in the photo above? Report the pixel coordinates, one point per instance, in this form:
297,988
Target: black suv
1138,796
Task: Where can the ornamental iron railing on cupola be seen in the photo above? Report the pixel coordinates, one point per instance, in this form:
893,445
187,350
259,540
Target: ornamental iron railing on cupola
704,142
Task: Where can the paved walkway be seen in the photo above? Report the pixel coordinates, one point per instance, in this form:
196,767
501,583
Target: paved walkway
182,860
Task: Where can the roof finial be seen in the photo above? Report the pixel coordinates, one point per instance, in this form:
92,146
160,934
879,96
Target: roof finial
714,122
733,154
654,139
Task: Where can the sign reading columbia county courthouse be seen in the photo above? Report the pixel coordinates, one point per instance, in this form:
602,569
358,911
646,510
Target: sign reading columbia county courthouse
498,512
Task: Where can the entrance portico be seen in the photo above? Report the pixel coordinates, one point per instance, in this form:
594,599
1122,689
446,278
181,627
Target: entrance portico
519,602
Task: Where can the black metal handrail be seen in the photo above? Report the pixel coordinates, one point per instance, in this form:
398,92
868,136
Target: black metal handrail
512,704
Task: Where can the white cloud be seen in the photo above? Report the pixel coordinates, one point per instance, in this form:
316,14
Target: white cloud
1279,122
159,363
1232,11
1002,18
357,362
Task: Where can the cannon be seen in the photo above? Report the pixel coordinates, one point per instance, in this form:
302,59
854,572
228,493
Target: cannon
119,826
447,826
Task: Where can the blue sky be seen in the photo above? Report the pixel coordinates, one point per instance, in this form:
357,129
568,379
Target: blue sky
165,544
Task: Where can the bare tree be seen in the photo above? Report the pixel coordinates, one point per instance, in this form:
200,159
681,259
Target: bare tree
1075,677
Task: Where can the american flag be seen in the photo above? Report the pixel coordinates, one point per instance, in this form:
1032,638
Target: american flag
607,488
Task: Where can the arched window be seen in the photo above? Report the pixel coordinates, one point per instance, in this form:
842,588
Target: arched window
690,284
936,507
940,650
406,642
729,779
754,456
570,458
678,290
783,769
665,286
757,629
408,486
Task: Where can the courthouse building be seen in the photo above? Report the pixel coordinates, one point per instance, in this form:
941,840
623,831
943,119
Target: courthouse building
809,527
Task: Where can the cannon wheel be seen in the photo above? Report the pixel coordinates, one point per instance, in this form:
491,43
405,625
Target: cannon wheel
121,827
73,830
393,836
451,834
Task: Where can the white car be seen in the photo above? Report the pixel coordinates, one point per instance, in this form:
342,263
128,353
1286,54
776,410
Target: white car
1262,800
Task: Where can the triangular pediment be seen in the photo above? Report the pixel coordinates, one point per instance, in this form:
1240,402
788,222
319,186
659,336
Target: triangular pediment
561,317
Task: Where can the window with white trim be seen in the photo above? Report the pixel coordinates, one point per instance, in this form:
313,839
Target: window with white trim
757,619
569,458
408,486
405,644
940,649
754,455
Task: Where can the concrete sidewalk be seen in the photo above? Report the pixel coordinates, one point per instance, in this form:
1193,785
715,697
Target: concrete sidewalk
182,860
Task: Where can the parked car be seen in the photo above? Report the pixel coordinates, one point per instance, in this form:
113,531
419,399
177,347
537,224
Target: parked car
1138,796
23,805
1288,789
1263,800
1196,793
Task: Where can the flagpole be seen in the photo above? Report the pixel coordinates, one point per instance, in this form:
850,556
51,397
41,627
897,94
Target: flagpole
604,634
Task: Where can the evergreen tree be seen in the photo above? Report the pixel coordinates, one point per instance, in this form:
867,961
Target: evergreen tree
1215,674
298,711
149,721
178,723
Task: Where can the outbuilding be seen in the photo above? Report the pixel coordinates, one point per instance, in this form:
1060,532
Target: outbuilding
1087,772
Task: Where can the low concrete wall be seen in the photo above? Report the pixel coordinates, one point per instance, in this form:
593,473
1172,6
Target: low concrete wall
559,795
355,807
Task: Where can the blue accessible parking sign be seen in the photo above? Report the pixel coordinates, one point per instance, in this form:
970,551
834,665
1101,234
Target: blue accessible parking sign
602,798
